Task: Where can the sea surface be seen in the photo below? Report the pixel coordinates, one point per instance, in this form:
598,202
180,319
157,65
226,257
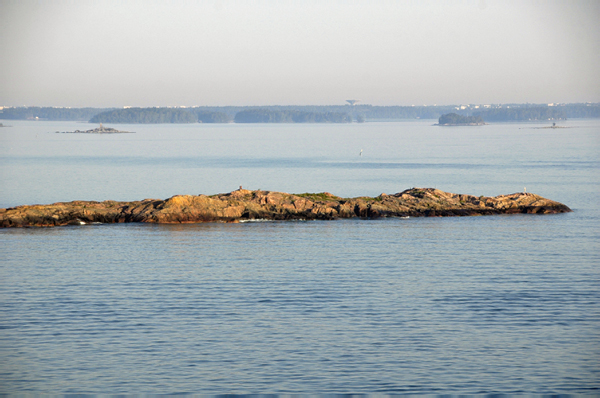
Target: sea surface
473,305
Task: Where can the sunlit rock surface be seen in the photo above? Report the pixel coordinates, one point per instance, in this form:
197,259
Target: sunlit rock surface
244,205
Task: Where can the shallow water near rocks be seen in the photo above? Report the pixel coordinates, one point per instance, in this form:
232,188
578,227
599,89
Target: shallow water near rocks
475,305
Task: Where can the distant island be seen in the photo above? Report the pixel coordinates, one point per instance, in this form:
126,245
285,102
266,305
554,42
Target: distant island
244,205
97,130
454,119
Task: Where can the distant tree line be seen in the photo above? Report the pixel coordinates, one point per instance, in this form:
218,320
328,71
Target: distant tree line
522,114
49,113
357,112
290,116
213,117
303,114
581,111
407,112
159,115
146,115
456,119
192,115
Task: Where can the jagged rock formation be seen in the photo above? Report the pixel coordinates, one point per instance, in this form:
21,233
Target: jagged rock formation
243,205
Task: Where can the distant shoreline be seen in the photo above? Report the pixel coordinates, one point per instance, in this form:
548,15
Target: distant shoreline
490,113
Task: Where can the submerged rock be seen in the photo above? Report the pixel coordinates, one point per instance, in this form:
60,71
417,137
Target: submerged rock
243,205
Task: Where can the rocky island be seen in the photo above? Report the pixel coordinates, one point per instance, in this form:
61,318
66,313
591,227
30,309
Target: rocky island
454,119
554,126
98,130
245,205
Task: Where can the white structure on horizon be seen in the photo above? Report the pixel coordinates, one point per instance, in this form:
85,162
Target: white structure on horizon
352,102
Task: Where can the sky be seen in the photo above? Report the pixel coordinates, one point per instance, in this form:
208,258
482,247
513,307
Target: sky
114,53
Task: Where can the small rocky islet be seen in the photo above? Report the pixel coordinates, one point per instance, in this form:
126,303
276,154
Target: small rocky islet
245,205
97,130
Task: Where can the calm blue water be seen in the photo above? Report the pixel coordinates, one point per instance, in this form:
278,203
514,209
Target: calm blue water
503,304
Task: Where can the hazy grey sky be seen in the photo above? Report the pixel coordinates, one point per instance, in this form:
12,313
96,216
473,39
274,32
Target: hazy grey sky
267,52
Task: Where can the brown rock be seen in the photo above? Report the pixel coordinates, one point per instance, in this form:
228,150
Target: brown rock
244,204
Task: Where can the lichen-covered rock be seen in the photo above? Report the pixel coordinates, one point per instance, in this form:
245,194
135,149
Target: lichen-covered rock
244,205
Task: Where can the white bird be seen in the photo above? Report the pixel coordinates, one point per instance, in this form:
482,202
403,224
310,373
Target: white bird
360,154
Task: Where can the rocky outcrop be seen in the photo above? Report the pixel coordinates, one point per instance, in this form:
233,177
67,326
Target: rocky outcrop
97,130
244,205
